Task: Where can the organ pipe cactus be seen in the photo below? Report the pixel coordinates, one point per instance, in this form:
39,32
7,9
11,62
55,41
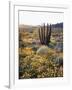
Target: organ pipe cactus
45,34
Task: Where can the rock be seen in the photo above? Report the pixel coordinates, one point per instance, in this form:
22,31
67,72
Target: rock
43,50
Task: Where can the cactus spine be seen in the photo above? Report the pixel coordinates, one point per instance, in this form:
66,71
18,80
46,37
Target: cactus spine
45,34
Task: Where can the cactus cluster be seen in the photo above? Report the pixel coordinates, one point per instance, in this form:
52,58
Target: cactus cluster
45,34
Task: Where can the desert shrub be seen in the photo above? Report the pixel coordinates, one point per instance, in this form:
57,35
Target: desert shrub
43,50
25,51
35,47
52,45
57,59
37,66
59,46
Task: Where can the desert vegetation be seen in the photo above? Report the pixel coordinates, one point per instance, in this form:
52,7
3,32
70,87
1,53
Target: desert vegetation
40,51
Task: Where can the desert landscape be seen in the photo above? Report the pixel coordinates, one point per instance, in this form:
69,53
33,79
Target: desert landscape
41,51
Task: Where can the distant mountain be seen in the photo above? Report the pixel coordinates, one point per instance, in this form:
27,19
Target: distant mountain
30,28
58,25
25,26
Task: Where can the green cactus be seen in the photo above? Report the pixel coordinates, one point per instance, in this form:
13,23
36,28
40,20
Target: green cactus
45,34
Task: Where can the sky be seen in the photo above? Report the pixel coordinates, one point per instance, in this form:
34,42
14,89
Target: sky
38,18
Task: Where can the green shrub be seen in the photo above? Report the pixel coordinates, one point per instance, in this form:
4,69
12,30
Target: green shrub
43,50
37,66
